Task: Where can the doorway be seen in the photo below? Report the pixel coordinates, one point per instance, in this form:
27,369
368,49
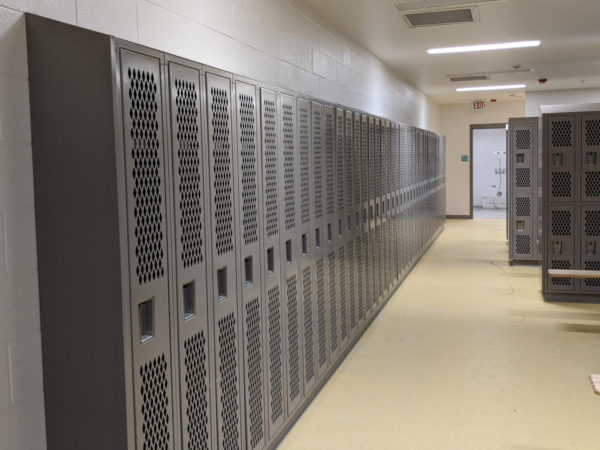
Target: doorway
488,171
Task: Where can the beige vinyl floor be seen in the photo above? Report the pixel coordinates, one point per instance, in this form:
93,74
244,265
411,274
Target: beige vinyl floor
466,355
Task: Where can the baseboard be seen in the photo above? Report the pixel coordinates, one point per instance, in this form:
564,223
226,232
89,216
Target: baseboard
452,216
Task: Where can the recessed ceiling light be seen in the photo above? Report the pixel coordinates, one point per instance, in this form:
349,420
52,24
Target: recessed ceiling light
491,88
483,47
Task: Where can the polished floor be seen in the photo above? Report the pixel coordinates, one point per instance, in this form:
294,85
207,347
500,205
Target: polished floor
488,213
466,355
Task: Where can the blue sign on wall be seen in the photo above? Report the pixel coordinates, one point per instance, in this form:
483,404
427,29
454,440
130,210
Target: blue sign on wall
464,158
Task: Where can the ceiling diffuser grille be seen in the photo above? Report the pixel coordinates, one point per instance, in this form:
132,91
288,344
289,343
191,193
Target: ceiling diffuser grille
444,17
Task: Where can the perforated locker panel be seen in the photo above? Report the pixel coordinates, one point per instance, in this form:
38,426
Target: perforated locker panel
307,251
331,295
347,280
359,146
386,168
371,267
248,165
523,157
364,187
188,152
590,158
560,158
142,98
522,238
271,254
560,244
291,245
378,253
339,316
396,204
590,245
224,274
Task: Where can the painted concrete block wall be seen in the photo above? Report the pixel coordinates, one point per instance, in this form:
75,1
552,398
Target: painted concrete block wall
279,42
455,121
533,100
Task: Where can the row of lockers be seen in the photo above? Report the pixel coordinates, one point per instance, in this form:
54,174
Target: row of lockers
571,201
255,233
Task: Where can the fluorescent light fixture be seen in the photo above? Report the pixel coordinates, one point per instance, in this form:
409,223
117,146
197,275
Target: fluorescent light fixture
491,88
483,47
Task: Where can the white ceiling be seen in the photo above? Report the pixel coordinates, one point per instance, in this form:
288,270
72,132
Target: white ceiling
569,55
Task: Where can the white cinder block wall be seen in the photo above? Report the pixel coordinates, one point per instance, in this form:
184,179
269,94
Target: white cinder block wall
279,42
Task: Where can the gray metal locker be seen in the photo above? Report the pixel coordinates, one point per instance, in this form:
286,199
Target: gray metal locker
224,294
271,257
590,158
560,160
523,189
349,298
339,226
589,245
307,243
378,266
364,198
291,245
359,170
189,191
248,170
371,266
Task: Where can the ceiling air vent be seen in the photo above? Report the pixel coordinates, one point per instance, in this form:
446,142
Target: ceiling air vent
444,17
457,78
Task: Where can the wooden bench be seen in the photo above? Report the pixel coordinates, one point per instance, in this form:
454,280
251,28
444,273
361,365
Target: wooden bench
595,380
560,273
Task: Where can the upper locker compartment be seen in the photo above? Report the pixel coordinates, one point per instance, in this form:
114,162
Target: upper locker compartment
523,145
560,160
187,153
144,145
224,295
590,158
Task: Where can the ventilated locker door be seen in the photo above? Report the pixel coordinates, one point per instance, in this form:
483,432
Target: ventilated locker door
378,254
371,266
142,100
560,243
307,250
247,163
560,159
339,230
359,240
523,242
223,270
332,310
271,254
590,158
396,237
387,198
320,237
522,141
364,198
291,249
348,289
590,246
195,341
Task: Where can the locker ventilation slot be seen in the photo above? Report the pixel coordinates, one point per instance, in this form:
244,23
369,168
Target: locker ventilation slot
561,184
228,383
303,142
592,184
308,324
348,162
360,275
592,133
371,160
592,265
364,157
190,179
146,176
523,206
332,302
222,170
351,294
288,166
196,392
523,139
339,150
275,356
343,295
562,132
329,161
254,361
321,313
523,177
356,164
318,162
155,404
592,222
563,265
293,344
249,179
523,244
561,223
270,139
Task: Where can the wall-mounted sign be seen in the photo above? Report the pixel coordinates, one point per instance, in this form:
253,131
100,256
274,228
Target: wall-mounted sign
464,158
478,105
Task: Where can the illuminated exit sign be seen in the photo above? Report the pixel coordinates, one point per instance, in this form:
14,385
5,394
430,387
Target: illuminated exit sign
478,105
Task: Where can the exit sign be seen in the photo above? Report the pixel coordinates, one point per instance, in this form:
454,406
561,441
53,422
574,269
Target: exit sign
478,105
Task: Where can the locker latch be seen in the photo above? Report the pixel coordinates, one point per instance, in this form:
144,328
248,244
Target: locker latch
557,247
591,158
590,247
557,159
